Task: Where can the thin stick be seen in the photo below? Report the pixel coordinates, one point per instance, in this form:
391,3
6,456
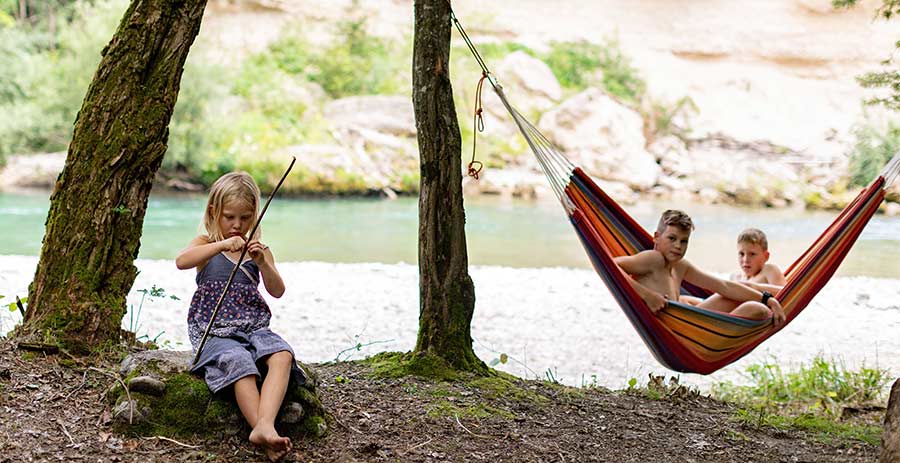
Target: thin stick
66,432
413,448
238,264
127,392
467,429
172,441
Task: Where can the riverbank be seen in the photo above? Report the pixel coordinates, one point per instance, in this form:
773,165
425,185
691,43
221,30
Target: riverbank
53,408
557,320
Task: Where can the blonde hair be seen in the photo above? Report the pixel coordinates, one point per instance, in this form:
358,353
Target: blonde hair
674,218
754,236
233,186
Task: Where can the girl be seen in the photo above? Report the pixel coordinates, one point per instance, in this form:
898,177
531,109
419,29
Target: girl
241,348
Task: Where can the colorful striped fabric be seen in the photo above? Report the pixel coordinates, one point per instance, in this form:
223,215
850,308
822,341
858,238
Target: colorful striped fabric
683,337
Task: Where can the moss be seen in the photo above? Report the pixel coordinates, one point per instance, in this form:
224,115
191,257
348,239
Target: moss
181,411
504,386
445,408
313,425
398,365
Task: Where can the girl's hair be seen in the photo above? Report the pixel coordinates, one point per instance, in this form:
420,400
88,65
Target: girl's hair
233,186
754,236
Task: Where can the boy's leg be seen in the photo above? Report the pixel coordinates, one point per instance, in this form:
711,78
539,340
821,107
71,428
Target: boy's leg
273,389
752,310
718,303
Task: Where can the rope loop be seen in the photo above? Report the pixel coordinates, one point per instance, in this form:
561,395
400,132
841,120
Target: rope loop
478,122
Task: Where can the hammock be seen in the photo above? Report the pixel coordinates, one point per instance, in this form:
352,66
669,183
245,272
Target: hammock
682,337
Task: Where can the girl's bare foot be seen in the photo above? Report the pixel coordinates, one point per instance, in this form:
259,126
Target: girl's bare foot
275,446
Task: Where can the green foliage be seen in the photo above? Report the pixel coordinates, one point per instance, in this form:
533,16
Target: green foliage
872,151
661,119
575,65
889,79
822,385
43,77
355,63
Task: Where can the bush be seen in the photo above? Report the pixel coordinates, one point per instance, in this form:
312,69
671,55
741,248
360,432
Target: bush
575,65
872,151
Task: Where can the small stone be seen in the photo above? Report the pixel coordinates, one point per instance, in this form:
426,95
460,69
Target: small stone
321,429
147,385
291,413
128,412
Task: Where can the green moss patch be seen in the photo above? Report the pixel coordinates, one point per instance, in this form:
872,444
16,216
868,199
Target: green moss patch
398,365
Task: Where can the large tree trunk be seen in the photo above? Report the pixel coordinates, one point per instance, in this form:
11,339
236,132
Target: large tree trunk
447,295
97,207
890,439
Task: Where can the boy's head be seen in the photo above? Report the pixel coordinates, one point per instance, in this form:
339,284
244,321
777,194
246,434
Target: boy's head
753,251
672,234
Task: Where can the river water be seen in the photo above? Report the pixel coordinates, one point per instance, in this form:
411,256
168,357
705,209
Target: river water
349,266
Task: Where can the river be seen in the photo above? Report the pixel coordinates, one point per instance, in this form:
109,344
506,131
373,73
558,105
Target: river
349,269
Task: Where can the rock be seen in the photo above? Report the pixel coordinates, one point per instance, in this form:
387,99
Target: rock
291,413
129,413
185,406
892,209
386,114
604,137
147,385
32,170
529,83
890,438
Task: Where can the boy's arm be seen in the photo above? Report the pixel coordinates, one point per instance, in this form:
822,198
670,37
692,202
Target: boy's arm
639,264
730,289
773,289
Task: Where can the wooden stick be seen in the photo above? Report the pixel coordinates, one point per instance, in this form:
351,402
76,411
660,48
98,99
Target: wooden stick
238,264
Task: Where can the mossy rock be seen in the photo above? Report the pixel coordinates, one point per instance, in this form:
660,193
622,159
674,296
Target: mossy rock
186,407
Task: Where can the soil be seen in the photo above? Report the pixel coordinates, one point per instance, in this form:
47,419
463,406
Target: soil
52,408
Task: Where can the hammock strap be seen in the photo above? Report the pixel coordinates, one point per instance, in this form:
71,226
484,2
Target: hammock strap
478,126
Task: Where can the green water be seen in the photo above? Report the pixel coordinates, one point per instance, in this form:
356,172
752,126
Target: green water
499,232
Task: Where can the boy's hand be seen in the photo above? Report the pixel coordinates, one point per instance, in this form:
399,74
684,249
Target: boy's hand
777,312
233,244
257,252
655,301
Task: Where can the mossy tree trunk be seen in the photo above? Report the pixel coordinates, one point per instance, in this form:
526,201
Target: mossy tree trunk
890,438
97,207
446,292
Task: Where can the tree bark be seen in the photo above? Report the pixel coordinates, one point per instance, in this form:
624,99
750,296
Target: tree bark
93,228
446,292
890,438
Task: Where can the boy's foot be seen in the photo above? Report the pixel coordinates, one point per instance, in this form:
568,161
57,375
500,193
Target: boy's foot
275,446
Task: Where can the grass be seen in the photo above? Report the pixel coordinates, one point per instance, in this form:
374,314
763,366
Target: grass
812,398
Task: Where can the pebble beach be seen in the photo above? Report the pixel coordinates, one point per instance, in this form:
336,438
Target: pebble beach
557,321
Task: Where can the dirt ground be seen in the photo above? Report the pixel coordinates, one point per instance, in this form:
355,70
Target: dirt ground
52,408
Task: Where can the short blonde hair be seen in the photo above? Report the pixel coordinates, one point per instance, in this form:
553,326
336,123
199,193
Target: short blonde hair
233,186
675,218
754,236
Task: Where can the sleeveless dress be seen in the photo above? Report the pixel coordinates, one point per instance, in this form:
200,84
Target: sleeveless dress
240,338
243,310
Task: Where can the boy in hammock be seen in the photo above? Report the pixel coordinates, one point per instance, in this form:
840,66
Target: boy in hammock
753,257
657,274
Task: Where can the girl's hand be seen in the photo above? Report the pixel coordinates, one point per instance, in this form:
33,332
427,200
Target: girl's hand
257,252
233,244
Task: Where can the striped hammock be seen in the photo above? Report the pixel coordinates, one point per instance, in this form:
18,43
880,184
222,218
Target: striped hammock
683,337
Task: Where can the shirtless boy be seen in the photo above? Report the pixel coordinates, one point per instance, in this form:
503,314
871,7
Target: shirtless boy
753,257
657,274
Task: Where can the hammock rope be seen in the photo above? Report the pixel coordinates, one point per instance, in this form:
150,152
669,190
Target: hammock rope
682,337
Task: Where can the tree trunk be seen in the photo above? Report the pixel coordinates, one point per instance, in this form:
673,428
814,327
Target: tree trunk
93,229
446,292
890,439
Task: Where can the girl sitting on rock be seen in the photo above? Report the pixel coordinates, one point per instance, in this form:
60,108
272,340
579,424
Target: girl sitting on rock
241,348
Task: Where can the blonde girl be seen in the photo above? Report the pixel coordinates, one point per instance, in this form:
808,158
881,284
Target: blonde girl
241,349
